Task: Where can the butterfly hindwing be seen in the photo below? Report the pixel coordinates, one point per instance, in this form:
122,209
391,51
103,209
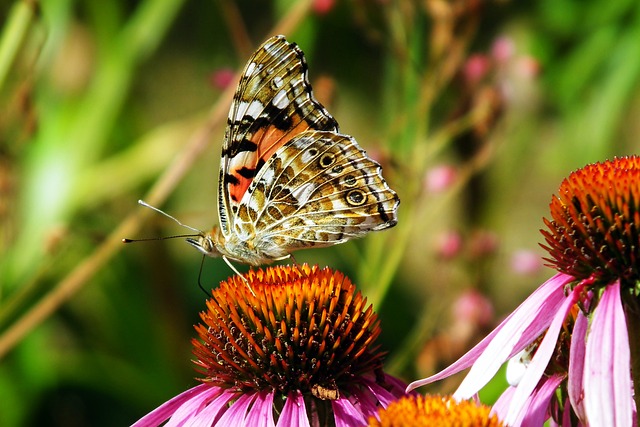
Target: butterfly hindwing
319,189
273,103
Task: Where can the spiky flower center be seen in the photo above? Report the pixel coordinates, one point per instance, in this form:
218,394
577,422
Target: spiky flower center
304,329
436,411
593,232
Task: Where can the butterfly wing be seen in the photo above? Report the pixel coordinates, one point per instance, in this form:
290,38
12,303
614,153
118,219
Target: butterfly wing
319,189
272,104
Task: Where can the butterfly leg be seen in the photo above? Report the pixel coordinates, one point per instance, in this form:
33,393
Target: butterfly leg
200,277
297,265
232,267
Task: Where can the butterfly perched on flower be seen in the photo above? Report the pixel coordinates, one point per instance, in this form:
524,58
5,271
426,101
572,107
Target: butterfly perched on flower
288,178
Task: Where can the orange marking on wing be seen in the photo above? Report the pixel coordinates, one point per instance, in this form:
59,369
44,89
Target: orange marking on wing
246,159
236,191
271,138
268,139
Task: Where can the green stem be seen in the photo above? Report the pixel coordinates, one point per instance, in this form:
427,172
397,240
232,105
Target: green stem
14,33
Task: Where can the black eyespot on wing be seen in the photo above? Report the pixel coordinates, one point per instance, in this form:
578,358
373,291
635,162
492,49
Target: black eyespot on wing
356,198
349,181
327,160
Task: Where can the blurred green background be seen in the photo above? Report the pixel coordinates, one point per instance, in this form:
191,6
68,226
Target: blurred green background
476,110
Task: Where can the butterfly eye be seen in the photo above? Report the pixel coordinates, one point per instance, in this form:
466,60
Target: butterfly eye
327,160
356,198
207,244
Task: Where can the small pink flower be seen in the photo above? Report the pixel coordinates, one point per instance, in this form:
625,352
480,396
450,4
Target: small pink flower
449,244
440,178
222,78
525,262
483,243
473,307
476,68
503,49
322,7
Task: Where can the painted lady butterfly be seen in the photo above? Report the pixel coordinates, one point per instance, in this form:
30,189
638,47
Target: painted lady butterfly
288,179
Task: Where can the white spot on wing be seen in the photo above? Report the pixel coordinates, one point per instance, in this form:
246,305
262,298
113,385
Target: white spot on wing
303,193
281,100
307,156
252,68
252,109
268,176
302,142
240,160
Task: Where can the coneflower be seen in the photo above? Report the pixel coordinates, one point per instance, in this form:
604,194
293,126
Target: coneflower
298,350
577,336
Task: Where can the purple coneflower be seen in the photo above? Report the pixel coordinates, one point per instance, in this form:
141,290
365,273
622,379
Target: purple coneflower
299,352
578,334
434,411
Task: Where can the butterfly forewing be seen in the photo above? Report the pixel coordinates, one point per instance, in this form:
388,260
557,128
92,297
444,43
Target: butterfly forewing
273,103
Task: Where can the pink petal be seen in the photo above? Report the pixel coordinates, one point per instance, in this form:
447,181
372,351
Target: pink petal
346,414
294,412
501,407
261,413
540,361
575,386
364,402
237,413
538,405
190,399
387,393
607,380
523,326
517,331
397,386
211,412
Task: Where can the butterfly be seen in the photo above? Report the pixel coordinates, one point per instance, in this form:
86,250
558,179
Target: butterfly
288,178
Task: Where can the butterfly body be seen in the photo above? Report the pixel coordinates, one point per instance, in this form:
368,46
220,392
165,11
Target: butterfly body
214,244
288,178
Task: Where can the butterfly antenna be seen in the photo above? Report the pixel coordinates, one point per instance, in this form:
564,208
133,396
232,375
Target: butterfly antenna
146,205
239,274
200,276
197,232
148,239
